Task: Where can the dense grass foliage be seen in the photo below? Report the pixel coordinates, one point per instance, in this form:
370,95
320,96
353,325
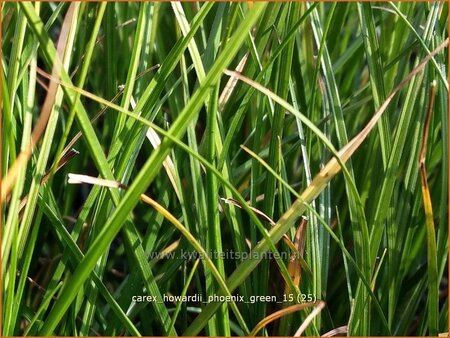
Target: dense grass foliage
160,150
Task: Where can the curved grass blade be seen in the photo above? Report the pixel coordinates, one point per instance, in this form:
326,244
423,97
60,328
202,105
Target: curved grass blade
433,283
147,173
310,193
78,179
281,313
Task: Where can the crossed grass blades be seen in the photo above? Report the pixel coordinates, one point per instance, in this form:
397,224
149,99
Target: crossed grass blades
317,132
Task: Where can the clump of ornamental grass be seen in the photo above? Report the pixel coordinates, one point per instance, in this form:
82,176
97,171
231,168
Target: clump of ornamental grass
224,168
